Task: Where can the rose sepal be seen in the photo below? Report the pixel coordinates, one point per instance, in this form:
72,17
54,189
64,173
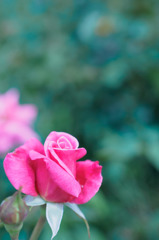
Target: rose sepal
54,212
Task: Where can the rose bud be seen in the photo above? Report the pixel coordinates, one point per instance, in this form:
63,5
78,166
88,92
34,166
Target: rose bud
13,211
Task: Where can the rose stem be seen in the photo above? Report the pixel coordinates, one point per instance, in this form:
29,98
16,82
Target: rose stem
15,238
38,227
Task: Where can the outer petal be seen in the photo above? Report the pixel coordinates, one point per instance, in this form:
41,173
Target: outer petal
18,170
19,173
33,144
19,132
54,184
11,109
6,143
8,101
90,178
25,113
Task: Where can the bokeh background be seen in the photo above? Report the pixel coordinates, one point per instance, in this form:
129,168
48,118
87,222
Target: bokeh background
92,69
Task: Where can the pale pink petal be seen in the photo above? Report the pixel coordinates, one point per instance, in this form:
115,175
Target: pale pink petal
19,132
11,97
54,184
25,113
14,134
15,120
8,102
6,143
90,178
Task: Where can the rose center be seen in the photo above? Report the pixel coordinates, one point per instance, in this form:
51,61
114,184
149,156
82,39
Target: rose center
64,143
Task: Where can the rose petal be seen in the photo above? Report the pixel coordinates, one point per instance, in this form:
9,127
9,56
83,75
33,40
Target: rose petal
65,157
8,102
63,142
18,170
25,113
56,158
68,157
19,132
34,155
54,136
90,178
54,213
6,143
33,144
54,184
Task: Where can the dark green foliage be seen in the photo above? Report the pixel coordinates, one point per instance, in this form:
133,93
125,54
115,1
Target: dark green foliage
92,68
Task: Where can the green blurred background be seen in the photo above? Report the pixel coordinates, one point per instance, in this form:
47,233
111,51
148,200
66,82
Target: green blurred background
92,69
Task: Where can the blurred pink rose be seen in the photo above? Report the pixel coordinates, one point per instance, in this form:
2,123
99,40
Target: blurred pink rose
52,171
15,121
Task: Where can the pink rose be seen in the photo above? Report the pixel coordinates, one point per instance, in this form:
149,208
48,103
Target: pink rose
15,121
52,171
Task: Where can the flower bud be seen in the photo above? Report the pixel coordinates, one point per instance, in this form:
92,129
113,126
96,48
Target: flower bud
13,211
